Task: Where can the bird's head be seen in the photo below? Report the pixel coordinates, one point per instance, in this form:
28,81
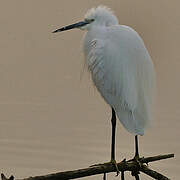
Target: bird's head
100,16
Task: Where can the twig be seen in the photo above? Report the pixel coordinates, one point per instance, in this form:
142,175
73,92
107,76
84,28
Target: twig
122,175
153,173
137,176
155,158
123,166
104,176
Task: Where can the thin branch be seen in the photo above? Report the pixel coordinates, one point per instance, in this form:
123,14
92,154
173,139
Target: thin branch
137,177
122,175
104,177
123,166
155,158
153,173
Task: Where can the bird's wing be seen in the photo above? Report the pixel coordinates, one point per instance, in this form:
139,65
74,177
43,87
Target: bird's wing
123,72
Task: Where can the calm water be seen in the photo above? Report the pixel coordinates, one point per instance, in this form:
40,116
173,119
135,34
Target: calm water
53,120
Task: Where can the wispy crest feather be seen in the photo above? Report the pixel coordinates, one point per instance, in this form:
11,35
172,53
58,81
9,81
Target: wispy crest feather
102,13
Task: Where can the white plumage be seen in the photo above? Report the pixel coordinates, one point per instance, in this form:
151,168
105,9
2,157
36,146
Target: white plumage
121,68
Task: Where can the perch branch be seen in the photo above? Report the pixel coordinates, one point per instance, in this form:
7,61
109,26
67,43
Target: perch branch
156,158
123,166
153,173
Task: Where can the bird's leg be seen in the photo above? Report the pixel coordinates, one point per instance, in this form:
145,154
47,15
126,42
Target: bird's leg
136,158
136,148
113,122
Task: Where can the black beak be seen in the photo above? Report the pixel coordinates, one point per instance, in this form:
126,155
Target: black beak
72,26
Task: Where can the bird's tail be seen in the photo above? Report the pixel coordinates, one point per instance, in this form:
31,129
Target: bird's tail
132,121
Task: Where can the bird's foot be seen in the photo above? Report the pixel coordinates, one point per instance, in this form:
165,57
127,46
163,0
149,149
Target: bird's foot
113,161
139,164
137,160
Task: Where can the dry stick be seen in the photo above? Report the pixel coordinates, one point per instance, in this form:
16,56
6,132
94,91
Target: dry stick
155,158
122,175
153,173
130,165
104,177
137,177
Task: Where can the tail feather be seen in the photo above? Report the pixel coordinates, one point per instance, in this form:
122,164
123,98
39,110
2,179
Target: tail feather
133,122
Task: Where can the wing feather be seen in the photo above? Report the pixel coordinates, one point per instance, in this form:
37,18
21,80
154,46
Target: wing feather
123,73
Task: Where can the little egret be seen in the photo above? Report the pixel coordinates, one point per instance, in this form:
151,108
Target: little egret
121,69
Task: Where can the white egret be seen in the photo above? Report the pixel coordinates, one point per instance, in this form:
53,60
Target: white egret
121,69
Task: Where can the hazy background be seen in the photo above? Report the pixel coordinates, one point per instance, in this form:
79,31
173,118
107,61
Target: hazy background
51,119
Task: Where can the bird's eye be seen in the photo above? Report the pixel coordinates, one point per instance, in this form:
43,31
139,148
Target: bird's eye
89,20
